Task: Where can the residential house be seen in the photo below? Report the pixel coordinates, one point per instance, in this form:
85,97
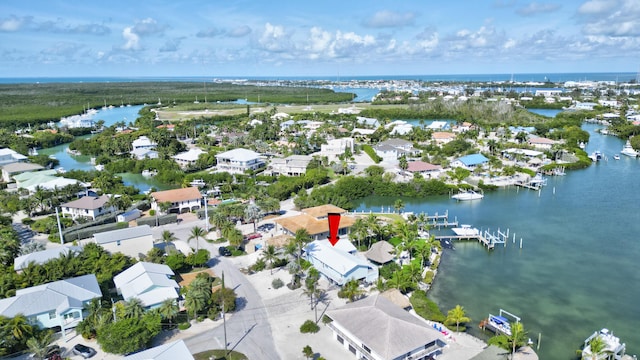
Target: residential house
12,169
134,241
188,158
442,137
56,304
352,324
371,123
425,169
314,220
143,142
336,147
237,161
87,207
470,162
150,283
584,105
175,350
399,127
392,149
8,156
41,257
294,165
541,143
464,127
181,200
143,153
362,134
339,266
438,125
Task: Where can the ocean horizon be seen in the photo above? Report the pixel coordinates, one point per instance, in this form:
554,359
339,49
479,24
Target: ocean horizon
517,77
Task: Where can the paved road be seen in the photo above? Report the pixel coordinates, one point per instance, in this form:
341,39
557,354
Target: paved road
248,329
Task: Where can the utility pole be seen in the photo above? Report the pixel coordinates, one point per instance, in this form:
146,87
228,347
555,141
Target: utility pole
206,214
59,227
224,319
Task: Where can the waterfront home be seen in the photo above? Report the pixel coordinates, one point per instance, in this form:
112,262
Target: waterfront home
8,156
438,125
294,165
150,283
170,351
362,134
470,162
314,220
142,153
143,142
58,304
180,200
584,105
542,143
87,207
424,168
16,168
399,127
398,334
188,158
134,241
336,147
41,257
337,265
239,160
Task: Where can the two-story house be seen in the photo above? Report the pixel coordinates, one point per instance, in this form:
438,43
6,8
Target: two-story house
237,161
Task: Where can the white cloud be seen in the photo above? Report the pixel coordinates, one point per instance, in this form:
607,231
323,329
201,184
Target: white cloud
595,7
148,26
509,44
274,38
132,40
171,45
390,19
14,23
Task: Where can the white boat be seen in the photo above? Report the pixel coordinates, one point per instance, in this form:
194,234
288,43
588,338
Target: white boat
616,157
149,173
628,150
538,180
99,167
500,324
613,348
582,145
467,195
466,230
596,156
198,183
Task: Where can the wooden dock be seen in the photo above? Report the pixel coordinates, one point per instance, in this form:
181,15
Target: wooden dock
486,238
535,187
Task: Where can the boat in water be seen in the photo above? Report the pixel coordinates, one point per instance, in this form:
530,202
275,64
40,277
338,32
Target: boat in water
628,150
613,348
467,195
596,156
616,157
466,230
499,324
149,173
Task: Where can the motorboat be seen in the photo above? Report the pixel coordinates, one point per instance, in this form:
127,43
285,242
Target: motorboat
628,150
500,324
466,230
596,156
616,157
613,348
467,195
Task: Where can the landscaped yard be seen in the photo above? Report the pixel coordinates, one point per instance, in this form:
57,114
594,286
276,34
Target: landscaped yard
219,355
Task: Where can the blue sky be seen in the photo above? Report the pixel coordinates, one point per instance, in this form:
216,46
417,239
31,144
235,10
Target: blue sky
316,38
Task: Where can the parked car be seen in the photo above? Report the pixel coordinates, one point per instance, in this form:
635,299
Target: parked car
84,351
252,236
223,251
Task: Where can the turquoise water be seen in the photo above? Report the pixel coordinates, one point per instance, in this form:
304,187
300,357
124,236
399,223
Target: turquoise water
128,114
545,112
577,270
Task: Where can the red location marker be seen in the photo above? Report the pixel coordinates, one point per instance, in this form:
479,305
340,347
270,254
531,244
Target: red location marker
334,223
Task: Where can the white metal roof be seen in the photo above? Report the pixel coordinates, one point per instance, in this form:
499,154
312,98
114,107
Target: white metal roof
176,350
122,234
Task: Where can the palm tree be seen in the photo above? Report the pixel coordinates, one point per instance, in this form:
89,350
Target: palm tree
252,213
168,309
358,231
456,316
400,280
518,337
218,220
197,233
133,308
302,237
398,205
597,347
270,254
351,290
38,345
167,236
19,327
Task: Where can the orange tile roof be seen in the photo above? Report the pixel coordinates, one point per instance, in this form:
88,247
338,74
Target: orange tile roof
323,210
176,195
312,224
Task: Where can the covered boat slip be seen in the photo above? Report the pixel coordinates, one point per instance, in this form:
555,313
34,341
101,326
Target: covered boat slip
500,324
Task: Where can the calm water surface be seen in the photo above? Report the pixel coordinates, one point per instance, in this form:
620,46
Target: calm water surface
577,270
